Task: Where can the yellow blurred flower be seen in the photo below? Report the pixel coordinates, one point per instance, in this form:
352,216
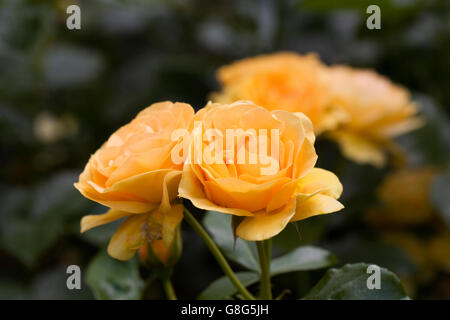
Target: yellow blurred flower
133,174
405,204
376,111
281,81
429,256
439,250
265,200
404,199
416,250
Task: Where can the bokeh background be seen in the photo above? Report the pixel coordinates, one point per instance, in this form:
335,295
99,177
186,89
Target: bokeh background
63,92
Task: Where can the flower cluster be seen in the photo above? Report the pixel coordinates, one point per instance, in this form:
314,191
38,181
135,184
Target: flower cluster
135,174
249,153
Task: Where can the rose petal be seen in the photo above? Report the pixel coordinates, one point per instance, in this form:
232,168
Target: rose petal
92,221
236,193
128,238
322,181
359,149
315,205
116,201
283,195
265,225
191,188
305,160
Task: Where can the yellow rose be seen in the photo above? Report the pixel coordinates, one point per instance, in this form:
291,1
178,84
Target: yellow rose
258,165
376,110
282,81
403,197
133,174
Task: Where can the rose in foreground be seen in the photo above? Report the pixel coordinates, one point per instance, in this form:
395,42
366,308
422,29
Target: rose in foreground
133,174
264,203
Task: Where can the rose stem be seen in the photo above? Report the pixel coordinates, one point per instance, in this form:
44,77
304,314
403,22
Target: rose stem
168,288
265,252
217,254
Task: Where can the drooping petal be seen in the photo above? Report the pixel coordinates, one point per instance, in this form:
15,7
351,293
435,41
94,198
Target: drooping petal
266,225
315,205
92,221
132,194
128,238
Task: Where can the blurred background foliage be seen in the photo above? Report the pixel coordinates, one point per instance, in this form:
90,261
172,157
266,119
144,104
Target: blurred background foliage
63,92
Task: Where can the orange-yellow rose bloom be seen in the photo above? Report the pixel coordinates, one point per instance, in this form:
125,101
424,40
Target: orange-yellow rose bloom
281,186
281,81
133,174
376,111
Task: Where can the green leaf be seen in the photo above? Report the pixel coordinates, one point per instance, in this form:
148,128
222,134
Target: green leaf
439,195
300,233
35,219
244,252
28,239
50,284
302,258
354,248
222,288
111,279
350,283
